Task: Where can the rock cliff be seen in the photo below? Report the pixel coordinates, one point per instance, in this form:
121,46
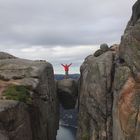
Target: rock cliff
95,117
126,115
14,121
109,97
36,118
108,93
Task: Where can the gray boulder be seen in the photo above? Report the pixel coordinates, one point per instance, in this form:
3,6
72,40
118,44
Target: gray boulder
115,48
104,47
98,53
67,90
21,68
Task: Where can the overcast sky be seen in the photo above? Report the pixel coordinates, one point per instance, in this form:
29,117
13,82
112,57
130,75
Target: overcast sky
61,31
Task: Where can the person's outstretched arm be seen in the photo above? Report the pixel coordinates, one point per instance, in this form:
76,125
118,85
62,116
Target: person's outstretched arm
69,64
62,65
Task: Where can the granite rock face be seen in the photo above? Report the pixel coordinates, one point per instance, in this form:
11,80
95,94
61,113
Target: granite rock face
95,102
136,14
130,42
109,97
43,109
126,115
126,123
14,121
67,90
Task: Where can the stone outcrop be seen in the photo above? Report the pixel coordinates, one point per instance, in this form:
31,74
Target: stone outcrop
41,114
95,108
103,48
115,48
136,14
126,105
126,115
109,97
130,42
67,90
14,121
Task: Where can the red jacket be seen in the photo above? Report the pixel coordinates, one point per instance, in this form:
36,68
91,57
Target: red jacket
66,67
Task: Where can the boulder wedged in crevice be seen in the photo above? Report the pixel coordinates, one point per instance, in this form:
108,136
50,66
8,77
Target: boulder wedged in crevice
67,91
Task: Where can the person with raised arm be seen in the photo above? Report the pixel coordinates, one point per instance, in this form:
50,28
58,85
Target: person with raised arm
66,69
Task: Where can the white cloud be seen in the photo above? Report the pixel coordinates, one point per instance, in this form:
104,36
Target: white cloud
61,31
56,55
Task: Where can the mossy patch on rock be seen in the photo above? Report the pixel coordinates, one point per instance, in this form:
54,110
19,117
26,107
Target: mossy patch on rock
86,136
18,92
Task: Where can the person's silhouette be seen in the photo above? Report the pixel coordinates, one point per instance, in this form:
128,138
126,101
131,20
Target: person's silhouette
66,69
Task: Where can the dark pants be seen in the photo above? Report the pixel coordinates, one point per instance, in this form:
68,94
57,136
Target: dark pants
66,74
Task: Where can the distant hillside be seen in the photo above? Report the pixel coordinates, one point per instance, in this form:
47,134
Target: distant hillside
61,76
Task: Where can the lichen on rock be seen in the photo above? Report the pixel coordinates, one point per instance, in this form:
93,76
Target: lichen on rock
19,93
31,83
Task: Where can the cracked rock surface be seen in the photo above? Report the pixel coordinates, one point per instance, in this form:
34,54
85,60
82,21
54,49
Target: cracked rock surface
109,97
